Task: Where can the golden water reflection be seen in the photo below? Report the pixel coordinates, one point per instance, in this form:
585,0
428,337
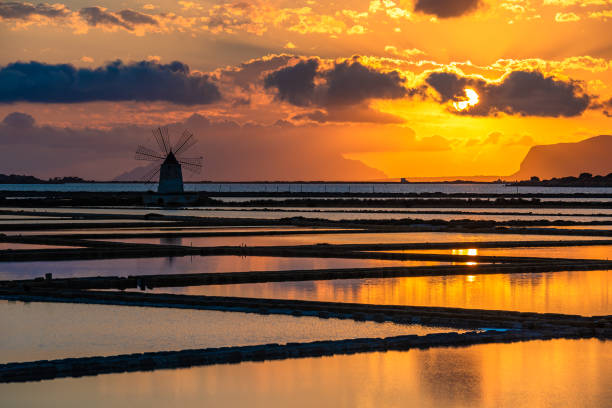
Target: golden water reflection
571,292
574,252
554,373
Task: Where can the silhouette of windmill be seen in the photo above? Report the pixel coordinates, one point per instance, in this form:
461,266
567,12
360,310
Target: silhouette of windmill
169,160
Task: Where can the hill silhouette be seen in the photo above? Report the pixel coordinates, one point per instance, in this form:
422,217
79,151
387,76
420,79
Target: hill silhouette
567,159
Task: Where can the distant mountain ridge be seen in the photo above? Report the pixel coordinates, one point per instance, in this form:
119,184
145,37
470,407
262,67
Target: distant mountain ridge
593,155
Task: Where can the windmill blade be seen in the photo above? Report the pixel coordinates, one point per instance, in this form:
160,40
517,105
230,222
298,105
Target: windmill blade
144,153
194,164
148,177
185,142
163,139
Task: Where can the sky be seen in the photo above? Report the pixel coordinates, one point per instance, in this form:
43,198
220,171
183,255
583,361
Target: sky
301,90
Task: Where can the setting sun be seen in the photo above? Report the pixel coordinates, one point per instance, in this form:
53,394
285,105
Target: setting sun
471,99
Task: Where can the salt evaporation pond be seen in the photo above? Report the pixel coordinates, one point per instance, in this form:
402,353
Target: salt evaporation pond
574,292
355,238
185,264
41,331
571,252
553,373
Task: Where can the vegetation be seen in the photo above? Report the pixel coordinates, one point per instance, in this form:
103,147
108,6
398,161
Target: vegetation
583,180
19,179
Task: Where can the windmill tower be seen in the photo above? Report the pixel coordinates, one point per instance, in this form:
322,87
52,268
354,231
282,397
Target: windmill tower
169,162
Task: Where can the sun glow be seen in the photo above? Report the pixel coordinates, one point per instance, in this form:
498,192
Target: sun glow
471,99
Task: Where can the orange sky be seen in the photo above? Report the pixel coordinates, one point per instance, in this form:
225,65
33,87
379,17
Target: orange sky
377,82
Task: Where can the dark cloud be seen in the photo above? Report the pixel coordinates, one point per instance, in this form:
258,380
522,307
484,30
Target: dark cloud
446,8
353,114
22,11
526,93
248,74
347,83
351,83
19,120
295,84
137,18
95,16
607,105
116,81
239,102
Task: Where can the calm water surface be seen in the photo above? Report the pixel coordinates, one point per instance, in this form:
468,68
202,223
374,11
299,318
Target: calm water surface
37,331
13,245
186,264
576,252
162,229
357,238
554,373
584,293
563,214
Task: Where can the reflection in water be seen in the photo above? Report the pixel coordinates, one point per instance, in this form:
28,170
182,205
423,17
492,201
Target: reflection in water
14,245
360,238
585,293
171,241
568,373
575,252
186,264
34,331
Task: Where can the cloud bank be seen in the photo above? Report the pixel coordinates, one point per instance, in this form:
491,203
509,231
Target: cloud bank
525,93
139,81
446,8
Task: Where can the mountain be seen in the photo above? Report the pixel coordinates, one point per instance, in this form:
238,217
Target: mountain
567,159
136,174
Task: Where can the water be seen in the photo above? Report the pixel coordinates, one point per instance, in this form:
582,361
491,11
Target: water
10,245
585,293
392,188
187,264
355,238
555,373
42,331
527,214
577,252
155,229
241,199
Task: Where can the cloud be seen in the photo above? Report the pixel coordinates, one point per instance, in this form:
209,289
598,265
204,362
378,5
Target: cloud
95,16
137,18
23,11
566,17
446,8
525,93
353,114
19,120
350,82
116,81
607,105
346,83
249,73
295,84
407,53
127,19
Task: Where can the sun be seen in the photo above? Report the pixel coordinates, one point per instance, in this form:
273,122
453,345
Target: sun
471,98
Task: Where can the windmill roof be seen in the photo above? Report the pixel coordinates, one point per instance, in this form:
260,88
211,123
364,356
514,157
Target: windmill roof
171,159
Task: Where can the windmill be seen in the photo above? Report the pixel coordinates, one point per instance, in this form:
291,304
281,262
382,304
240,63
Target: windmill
169,160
